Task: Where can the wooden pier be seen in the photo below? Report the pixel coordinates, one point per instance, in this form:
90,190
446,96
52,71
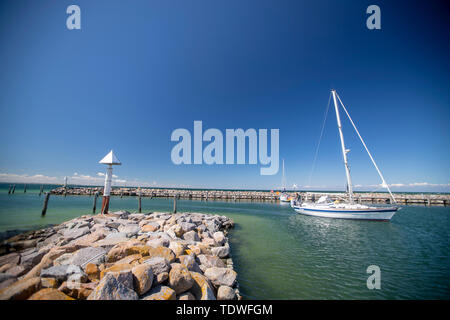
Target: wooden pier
233,195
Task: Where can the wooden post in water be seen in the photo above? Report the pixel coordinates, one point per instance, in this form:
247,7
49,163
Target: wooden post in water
94,206
10,187
139,202
44,208
25,188
14,189
41,190
175,204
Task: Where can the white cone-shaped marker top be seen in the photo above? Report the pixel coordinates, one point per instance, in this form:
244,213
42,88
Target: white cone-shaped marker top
110,158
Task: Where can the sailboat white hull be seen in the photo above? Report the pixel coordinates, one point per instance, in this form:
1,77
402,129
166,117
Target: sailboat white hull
361,213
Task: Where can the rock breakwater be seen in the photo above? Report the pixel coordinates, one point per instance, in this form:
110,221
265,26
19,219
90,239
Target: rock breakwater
122,256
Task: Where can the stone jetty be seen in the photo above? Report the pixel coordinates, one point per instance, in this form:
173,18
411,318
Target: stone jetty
122,256
236,195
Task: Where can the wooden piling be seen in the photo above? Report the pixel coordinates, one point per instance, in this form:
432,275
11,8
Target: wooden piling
25,188
10,187
175,204
139,203
41,190
94,206
44,208
14,189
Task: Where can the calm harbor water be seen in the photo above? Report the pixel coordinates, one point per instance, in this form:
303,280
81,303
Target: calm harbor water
279,254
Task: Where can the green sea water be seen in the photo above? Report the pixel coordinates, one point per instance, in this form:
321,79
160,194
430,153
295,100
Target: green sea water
279,254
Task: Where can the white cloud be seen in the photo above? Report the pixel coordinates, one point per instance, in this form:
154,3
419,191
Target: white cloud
75,179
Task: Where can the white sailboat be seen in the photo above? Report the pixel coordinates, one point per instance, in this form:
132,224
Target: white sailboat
324,207
284,197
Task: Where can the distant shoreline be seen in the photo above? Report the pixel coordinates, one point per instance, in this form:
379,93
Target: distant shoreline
224,189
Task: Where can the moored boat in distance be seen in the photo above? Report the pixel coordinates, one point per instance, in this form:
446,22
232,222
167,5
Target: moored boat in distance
347,209
284,197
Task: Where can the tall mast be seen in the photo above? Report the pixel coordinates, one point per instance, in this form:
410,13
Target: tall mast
344,151
283,179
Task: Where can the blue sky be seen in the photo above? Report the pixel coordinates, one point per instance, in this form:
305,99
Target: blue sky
135,72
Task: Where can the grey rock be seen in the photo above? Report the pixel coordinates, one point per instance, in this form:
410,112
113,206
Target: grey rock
160,293
159,265
11,258
190,263
130,230
226,293
161,242
89,254
180,278
221,276
191,236
219,237
115,286
6,276
72,234
186,226
221,252
17,271
32,259
62,272
211,225
209,261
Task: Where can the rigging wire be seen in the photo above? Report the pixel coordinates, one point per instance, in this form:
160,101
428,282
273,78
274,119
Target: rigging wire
384,184
320,139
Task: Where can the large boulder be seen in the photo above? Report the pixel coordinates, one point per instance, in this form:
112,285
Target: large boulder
11,258
226,293
186,226
130,230
177,248
158,265
61,273
115,286
221,276
50,294
150,227
71,234
6,280
175,231
191,236
160,242
219,238
32,259
122,250
180,278
190,263
143,278
201,287
88,255
92,272
162,252
221,252
21,289
209,261
117,267
161,293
